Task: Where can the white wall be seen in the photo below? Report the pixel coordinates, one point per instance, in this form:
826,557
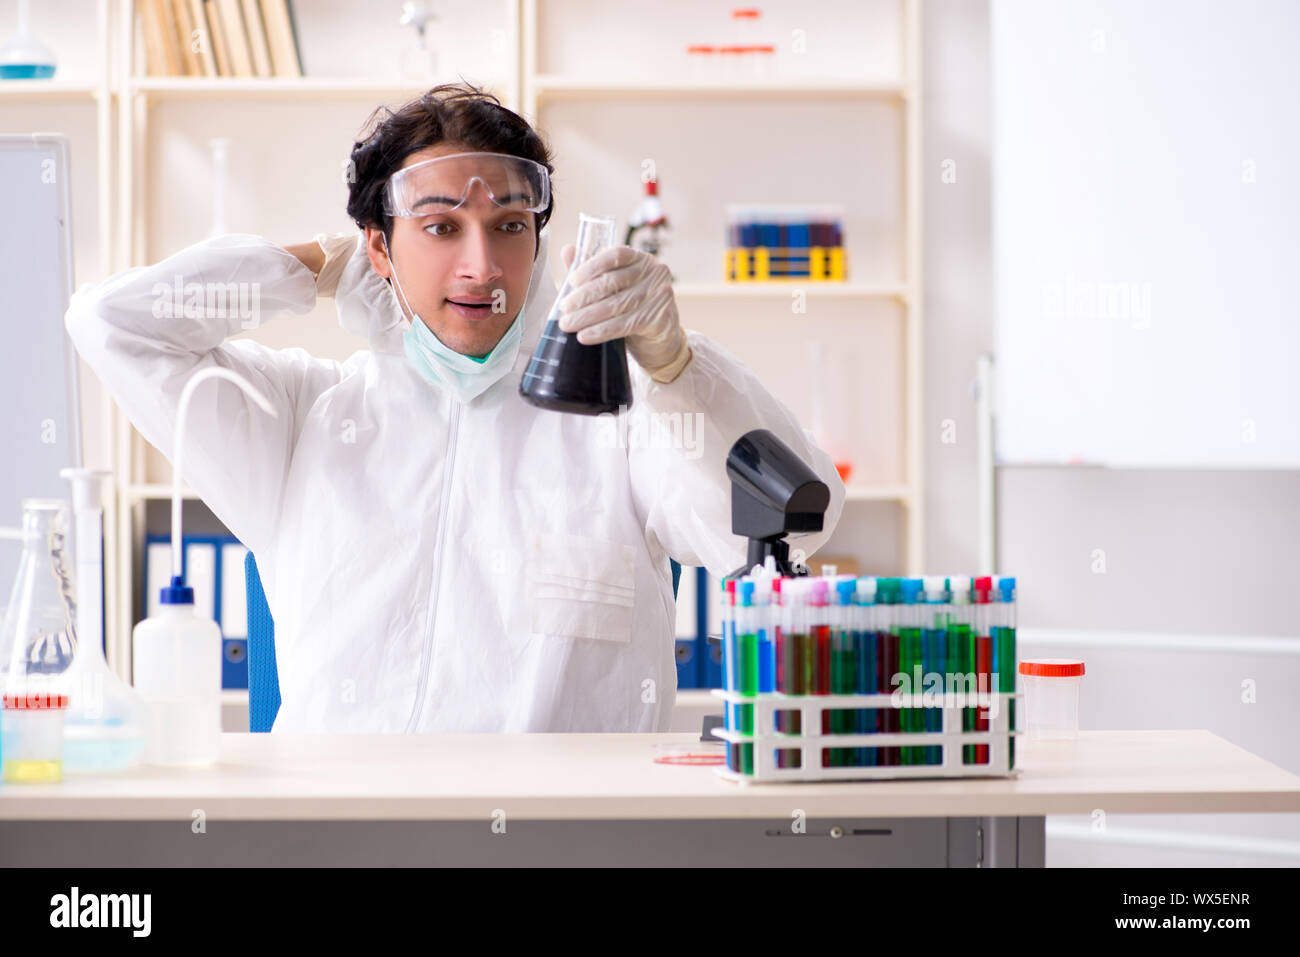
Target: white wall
1184,552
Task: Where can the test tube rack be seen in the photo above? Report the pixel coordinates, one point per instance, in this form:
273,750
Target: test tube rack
811,746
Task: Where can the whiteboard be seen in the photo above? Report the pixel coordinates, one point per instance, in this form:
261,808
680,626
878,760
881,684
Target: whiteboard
39,425
1146,221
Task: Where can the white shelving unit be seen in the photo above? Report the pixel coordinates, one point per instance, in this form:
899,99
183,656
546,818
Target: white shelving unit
541,90
139,97
133,111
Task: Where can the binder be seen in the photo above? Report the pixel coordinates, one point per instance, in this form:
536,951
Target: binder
710,652
201,575
688,631
234,615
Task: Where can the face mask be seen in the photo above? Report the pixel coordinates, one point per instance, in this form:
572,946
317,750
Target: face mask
463,377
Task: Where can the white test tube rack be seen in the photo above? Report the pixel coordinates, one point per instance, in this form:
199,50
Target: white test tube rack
809,745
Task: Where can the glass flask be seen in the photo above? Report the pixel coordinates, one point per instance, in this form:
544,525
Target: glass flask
38,637
566,375
105,726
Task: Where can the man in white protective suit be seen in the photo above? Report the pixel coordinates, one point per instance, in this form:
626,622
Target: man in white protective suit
437,553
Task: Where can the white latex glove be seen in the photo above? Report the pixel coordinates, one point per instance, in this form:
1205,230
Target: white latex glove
626,293
365,301
338,249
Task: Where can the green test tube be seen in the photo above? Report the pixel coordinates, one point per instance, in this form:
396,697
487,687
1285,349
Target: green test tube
961,649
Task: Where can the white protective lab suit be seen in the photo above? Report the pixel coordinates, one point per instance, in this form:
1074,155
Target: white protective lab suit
432,566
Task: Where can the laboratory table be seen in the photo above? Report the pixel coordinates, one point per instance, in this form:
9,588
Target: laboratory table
602,799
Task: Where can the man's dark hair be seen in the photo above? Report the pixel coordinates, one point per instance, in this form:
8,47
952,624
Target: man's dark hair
449,113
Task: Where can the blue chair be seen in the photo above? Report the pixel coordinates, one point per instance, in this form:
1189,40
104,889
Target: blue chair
263,678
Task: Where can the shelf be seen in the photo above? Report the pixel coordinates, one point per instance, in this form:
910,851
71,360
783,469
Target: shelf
781,289
48,90
552,86
216,88
878,493
158,491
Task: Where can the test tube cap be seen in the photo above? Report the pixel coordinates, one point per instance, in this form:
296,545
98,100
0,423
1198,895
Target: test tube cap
1006,588
936,587
746,593
910,590
867,590
820,590
844,589
887,591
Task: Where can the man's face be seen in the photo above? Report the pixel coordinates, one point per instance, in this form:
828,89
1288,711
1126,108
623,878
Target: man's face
466,271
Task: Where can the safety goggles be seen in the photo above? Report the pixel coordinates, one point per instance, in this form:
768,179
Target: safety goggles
443,184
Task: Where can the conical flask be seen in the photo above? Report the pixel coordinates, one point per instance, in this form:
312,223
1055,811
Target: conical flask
38,635
566,375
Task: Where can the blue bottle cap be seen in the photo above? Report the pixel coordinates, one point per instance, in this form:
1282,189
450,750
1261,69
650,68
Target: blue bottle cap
911,588
177,593
1006,589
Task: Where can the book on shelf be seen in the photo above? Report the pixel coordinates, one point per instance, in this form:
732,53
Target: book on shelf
257,38
203,37
281,38
232,25
219,38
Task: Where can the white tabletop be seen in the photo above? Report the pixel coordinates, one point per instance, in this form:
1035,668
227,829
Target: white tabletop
614,776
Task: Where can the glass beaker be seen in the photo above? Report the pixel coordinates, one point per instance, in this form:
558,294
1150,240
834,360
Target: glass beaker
38,635
565,375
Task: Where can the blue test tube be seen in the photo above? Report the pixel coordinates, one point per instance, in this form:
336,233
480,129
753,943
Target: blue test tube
868,662
766,637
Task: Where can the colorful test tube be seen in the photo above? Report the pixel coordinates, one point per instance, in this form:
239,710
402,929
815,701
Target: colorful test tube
887,600
984,610
730,667
766,638
791,639
1005,651
935,641
909,657
961,651
747,649
844,664
780,671
820,645
864,598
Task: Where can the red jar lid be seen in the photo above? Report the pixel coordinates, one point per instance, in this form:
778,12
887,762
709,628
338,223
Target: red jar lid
1052,667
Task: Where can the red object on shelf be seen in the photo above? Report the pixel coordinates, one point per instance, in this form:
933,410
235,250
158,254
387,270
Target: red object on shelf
984,669
845,469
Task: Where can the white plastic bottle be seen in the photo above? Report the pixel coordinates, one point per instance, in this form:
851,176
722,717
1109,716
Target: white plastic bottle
177,664
176,654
